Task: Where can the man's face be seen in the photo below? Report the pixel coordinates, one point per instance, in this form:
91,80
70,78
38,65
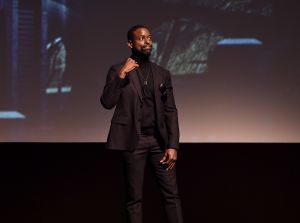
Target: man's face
142,41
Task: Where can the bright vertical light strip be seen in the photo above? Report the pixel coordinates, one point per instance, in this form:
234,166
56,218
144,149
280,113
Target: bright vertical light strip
13,41
11,115
64,14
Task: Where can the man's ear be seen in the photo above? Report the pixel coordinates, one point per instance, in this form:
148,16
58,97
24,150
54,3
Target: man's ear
129,44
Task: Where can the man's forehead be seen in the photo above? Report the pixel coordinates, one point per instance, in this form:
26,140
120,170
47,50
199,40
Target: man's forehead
142,32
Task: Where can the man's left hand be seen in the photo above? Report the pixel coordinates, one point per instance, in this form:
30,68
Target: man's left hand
169,158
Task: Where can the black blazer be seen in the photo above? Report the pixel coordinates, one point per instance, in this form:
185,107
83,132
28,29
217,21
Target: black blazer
126,95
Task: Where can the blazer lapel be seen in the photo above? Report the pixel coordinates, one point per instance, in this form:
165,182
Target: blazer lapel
156,81
135,81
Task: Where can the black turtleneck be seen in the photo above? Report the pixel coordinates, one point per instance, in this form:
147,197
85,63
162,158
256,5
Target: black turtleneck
148,116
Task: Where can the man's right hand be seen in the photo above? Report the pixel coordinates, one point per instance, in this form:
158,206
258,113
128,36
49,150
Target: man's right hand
129,65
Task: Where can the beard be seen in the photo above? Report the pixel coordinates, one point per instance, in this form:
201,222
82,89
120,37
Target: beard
143,54
147,50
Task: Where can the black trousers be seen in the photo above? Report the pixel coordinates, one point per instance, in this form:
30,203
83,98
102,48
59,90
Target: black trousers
149,152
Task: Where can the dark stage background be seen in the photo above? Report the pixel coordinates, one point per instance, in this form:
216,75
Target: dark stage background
236,183
234,66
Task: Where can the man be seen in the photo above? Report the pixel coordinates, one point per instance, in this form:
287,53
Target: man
144,125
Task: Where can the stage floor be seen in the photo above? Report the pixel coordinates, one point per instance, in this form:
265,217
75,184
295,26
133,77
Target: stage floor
68,182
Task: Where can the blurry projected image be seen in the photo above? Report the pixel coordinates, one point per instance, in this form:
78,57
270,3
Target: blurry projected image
233,67
57,66
187,52
57,79
36,82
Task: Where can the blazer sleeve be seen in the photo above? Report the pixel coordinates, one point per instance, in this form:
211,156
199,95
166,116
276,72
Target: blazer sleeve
171,115
112,89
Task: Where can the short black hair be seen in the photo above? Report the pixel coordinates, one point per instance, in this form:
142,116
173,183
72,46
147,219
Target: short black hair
132,29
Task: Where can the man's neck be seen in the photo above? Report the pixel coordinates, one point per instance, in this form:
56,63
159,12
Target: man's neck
140,58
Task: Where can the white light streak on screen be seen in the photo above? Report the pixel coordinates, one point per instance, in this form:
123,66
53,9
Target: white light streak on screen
11,115
240,41
54,90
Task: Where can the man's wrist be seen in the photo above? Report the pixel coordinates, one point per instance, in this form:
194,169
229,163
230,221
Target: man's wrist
122,74
169,148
